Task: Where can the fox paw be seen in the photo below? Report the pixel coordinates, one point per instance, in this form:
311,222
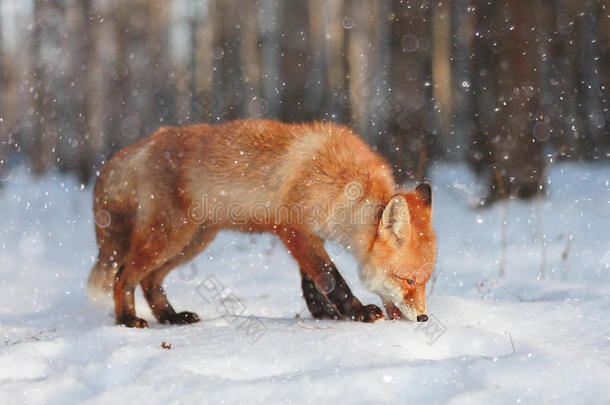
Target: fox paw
368,313
322,310
393,311
182,318
132,321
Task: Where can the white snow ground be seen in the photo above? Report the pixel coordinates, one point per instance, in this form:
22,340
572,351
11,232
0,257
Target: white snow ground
540,334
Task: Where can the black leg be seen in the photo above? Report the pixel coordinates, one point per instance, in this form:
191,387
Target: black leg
323,280
319,306
162,309
346,303
333,299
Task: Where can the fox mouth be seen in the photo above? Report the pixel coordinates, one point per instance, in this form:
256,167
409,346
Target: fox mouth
408,311
400,310
392,297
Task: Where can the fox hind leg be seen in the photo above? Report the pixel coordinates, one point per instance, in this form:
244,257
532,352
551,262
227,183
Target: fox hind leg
124,303
148,252
157,299
152,284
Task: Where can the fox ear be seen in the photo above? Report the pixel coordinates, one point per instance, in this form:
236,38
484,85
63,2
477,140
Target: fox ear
395,220
424,191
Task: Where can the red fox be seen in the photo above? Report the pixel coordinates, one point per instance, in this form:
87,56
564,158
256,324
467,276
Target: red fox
161,201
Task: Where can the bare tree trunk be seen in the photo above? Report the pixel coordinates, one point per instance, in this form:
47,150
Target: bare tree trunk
461,81
430,148
566,75
160,105
326,62
382,80
589,87
441,69
551,126
517,167
63,82
316,85
4,133
409,107
181,104
3,83
196,113
269,17
603,40
543,16
44,128
206,100
336,60
37,150
360,69
97,142
249,54
116,97
505,150
484,89
227,86
84,58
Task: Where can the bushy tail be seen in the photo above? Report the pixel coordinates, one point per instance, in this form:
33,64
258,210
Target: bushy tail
113,242
113,226
101,282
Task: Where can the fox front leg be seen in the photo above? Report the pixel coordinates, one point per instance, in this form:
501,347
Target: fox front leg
329,287
317,303
341,297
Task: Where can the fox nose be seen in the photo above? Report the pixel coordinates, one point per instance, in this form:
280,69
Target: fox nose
422,318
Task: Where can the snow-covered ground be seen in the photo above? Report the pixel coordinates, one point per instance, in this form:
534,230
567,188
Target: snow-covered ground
539,334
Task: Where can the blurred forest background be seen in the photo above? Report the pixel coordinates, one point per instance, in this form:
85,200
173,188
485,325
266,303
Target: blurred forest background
507,86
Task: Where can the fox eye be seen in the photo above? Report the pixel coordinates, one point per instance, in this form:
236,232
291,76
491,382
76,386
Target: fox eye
409,281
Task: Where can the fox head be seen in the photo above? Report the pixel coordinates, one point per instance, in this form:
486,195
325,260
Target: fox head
402,255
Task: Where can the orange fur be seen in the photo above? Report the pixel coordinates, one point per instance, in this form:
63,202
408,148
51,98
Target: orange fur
170,193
